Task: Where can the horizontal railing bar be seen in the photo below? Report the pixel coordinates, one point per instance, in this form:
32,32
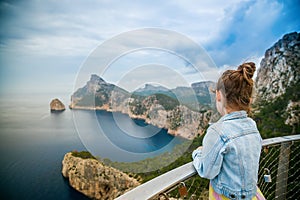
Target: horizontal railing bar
165,181
277,140
173,177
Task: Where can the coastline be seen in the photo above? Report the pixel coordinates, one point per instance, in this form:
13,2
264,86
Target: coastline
181,131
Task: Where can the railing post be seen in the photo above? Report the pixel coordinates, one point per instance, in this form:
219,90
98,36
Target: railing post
283,171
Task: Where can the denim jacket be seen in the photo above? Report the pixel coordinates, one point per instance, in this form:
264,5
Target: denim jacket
230,156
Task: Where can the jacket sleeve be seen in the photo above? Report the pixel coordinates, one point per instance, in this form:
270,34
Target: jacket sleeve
208,160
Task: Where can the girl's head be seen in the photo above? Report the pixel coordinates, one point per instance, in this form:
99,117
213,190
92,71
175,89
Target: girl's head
234,89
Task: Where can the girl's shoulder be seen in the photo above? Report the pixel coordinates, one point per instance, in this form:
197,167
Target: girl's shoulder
216,128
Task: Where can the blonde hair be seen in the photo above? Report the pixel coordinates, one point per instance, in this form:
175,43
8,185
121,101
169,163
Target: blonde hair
237,86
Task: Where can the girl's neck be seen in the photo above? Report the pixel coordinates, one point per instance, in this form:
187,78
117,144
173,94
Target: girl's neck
228,110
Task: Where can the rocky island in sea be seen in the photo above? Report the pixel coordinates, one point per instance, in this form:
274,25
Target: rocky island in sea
57,106
92,178
183,111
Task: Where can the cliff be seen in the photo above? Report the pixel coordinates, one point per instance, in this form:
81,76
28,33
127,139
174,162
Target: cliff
177,110
92,178
56,106
97,94
278,87
280,68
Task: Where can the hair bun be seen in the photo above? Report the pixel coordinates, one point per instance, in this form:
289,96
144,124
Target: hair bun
247,69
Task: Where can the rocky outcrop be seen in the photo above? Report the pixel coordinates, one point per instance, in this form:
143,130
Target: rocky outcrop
96,94
292,114
92,178
280,68
159,106
57,106
179,121
279,77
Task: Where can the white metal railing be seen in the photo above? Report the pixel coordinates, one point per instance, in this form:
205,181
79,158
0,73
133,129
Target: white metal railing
168,180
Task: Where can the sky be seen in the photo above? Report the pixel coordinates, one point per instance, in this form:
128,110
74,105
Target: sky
45,45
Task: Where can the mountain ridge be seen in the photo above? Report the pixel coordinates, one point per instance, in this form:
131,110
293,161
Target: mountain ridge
183,115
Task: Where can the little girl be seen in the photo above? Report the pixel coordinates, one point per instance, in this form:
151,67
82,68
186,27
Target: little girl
231,147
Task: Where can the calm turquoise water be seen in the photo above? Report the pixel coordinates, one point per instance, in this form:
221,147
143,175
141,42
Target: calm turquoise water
33,142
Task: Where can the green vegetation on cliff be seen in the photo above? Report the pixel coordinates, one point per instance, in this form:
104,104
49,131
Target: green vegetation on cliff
182,151
175,119
83,154
137,106
272,115
167,102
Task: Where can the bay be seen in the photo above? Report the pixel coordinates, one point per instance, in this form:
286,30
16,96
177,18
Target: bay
33,142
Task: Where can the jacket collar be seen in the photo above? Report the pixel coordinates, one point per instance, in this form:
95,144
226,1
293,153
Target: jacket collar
234,115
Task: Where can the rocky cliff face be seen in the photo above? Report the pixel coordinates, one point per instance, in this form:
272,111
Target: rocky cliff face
95,180
56,106
97,94
280,68
179,119
161,109
278,81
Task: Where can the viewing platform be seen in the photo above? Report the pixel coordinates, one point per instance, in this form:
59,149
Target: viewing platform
279,165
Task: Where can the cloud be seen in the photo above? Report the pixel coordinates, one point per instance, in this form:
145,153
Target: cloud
118,56
247,30
83,25
38,33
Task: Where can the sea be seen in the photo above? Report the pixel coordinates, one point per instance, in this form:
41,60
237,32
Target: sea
33,142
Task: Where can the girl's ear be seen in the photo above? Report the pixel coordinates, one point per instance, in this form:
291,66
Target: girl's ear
218,95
